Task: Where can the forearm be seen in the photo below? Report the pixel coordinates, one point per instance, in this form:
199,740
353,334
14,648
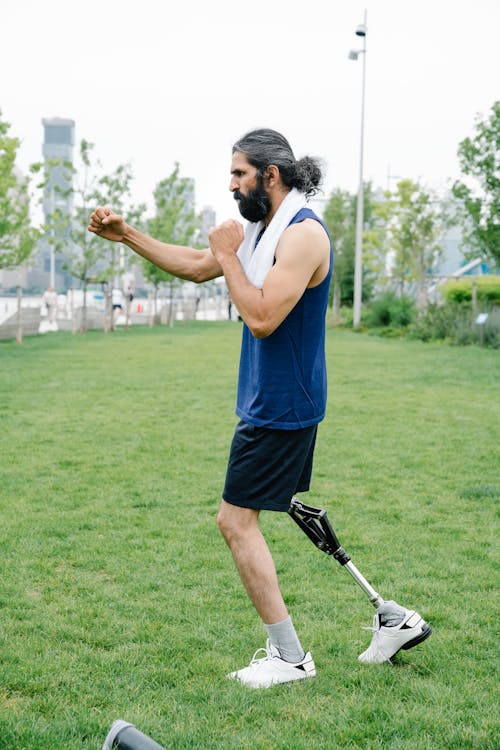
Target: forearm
183,262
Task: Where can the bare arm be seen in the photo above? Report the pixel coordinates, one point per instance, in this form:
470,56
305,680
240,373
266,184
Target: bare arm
184,262
302,260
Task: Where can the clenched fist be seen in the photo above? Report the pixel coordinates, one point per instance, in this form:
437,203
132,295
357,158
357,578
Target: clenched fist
225,239
107,224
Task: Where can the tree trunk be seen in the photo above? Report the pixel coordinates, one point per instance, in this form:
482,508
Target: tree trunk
171,308
128,305
19,326
164,313
72,308
421,295
152,306
83,322
108,311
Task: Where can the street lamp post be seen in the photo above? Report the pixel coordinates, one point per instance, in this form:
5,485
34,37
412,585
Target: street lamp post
358,254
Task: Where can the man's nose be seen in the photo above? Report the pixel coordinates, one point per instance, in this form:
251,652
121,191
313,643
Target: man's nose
234,184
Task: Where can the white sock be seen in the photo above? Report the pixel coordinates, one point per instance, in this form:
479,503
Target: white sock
282,636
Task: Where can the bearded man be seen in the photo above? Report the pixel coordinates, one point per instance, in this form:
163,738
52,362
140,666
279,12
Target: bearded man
278,274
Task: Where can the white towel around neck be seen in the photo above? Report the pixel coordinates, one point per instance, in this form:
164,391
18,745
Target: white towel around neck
257,261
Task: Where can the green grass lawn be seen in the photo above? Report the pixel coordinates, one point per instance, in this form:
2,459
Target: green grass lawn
118,597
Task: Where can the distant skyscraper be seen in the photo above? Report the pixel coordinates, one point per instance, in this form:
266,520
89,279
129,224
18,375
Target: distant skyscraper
188,193
58,142
207,221
59,139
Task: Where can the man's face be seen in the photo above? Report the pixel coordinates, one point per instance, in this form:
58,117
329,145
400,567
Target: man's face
248,189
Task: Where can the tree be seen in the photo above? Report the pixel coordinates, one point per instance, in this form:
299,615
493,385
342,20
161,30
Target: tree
479,194
17,236
115,190
174,222
340,218
157,277
87,256
415,221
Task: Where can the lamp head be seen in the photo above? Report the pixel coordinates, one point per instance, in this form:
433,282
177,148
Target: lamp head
361,30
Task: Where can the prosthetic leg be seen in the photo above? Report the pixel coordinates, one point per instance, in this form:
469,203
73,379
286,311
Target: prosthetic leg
409,628
314,523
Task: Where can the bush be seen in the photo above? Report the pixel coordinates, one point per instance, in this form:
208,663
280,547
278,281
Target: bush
391,311
491,333
460,290
455,322
343,320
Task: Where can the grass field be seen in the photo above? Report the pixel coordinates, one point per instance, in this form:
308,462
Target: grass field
118,598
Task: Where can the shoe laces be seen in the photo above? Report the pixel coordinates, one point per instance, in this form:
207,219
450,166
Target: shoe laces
268,655
375,627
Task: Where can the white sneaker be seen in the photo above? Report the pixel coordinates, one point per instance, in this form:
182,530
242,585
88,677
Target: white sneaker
387,641
273,670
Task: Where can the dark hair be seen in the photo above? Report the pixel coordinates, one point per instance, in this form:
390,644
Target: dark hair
265,146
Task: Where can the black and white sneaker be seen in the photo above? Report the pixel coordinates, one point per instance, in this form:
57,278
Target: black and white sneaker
271,669
387,641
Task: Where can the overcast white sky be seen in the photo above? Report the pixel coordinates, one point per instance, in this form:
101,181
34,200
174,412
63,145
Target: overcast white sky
159,81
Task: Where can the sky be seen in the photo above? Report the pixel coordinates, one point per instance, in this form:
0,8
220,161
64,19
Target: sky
159,81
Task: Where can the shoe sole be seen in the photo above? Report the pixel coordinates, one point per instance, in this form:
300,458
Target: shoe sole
426,632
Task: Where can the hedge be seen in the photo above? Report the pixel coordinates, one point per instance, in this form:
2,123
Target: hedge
460,290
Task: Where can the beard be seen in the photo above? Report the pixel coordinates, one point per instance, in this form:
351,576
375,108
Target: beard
256,205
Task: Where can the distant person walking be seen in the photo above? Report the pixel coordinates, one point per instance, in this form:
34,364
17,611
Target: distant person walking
117,304
50,301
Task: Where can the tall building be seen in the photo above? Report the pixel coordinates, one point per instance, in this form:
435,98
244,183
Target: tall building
58,143
207,221
59,139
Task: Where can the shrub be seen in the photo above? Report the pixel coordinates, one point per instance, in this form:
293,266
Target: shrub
345,319
390,311
455,322
491,331
433,324
460,290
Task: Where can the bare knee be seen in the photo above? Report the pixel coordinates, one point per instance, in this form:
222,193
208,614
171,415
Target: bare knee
221,522
226,523
234,522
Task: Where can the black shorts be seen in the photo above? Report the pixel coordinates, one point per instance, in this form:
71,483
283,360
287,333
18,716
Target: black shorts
267,467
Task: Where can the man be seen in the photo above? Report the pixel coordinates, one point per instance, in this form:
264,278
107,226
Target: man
278,274
50,300
117,304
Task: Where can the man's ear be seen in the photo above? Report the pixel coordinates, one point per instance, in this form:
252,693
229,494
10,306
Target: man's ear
271,175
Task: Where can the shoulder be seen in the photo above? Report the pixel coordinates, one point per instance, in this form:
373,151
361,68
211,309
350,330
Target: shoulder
308,233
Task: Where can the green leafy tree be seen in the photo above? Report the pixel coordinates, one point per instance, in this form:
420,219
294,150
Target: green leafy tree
174,222
340,217
115,190
56,176
17,236
415,221
479,193
86,256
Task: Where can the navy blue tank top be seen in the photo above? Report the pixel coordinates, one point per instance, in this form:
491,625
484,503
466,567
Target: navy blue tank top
282,377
